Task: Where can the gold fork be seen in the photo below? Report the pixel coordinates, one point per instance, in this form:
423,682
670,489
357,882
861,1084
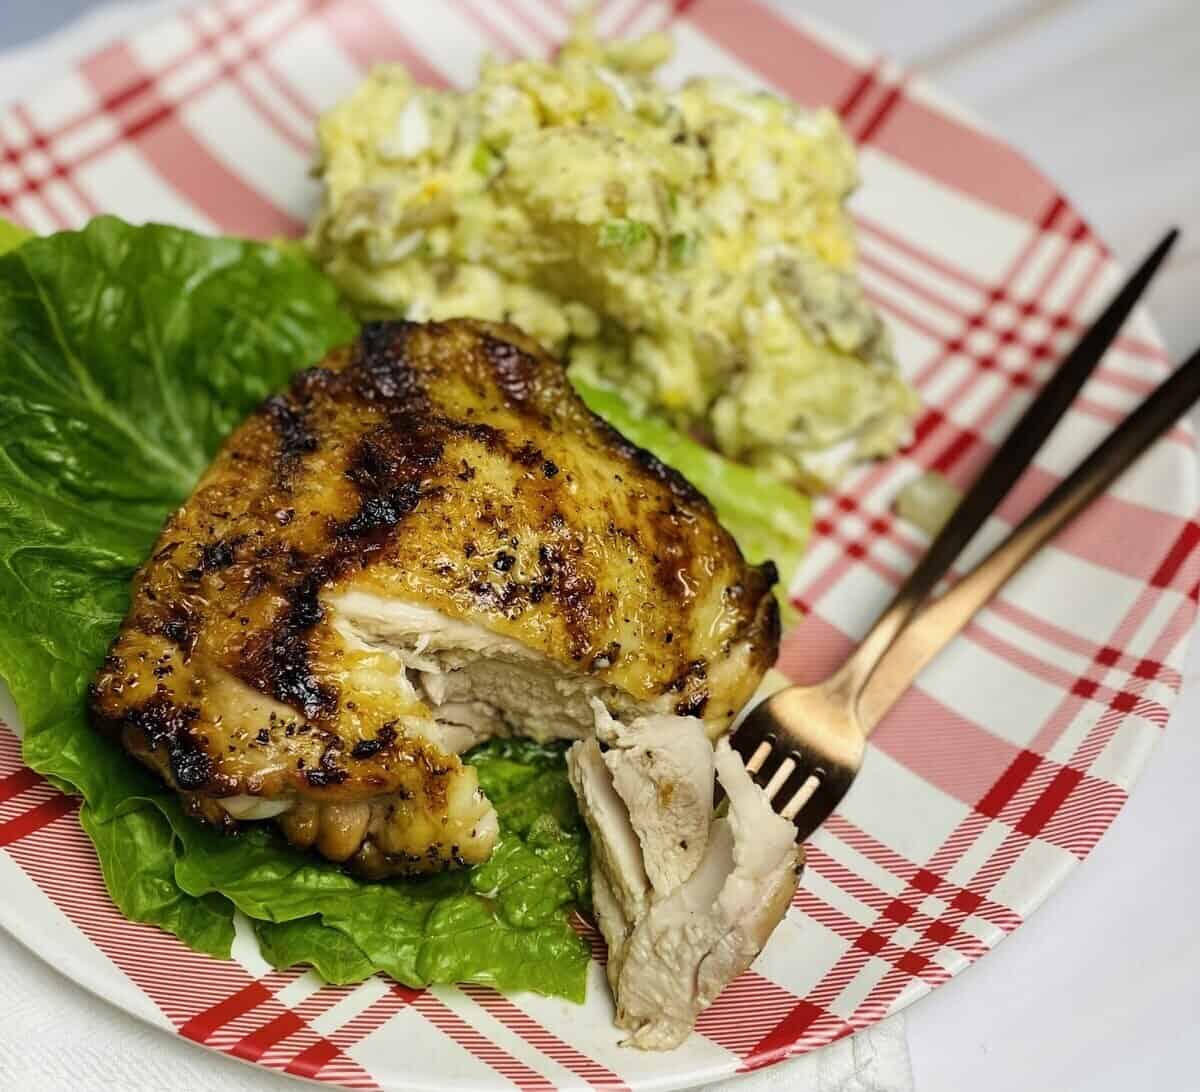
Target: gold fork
805,745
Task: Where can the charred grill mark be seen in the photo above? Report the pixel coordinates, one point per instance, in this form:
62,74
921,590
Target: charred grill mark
393,464
328,772
176,621
572,592
278,661
695,670
484,434
389,467
528,454
693,705
367,748
381,513
218,555
281,666
514,369
306,610
291,425
408,448
383,371
165,724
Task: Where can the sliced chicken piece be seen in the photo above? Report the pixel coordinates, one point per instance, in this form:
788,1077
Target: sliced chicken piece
674,950
662,771
616,853
423,542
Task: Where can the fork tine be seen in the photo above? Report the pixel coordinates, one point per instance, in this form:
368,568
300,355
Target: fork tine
820,805
747,741
776,770
770,765
796,798
779,777
795,781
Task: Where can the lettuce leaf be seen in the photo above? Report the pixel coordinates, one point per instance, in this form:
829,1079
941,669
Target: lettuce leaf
126,355
12,235
769,519
502,923
137,855
333,955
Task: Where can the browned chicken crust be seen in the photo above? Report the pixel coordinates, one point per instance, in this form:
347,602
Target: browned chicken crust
448,465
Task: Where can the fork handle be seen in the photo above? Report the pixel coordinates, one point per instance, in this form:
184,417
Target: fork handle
941,619
1001,473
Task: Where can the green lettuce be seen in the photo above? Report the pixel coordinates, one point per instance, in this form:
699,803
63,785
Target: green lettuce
126,355
502,923
12,236
769,519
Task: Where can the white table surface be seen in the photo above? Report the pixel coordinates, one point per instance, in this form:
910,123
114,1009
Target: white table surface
1085,997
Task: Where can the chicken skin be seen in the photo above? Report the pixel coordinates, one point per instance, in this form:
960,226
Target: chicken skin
425,541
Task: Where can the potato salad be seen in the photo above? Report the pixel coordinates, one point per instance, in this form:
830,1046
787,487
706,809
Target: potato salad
687,248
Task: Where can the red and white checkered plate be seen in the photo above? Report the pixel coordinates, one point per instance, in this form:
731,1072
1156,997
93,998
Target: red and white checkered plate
989,782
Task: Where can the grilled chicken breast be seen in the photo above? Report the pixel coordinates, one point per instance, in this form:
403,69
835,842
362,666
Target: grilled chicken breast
425,541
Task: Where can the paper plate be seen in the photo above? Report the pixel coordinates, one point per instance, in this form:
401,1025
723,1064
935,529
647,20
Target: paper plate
983,789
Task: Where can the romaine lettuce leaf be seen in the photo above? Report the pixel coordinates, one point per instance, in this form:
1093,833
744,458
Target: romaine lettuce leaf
137,855
502,923
12,235
126,355
333,955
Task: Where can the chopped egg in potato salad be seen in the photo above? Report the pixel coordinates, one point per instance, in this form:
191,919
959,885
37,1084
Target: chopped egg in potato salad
688,248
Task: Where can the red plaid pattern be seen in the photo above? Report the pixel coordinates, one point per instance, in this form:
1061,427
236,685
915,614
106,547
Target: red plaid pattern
985,785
